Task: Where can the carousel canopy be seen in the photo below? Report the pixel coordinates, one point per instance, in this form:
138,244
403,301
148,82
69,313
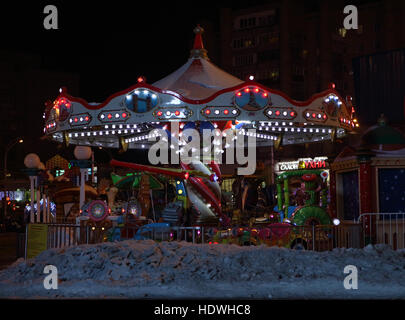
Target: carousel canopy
198,93
198,78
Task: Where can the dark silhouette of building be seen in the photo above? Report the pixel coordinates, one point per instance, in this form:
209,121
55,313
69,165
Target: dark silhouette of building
300,47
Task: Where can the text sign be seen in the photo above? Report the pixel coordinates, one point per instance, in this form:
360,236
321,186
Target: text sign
36,239
303,163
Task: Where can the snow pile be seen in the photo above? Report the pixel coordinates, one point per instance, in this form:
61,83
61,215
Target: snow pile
138,269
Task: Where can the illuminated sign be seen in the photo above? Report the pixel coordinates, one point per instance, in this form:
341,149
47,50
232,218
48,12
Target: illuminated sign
302,163
13,195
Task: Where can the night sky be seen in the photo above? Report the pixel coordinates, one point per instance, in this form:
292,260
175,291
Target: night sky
109,44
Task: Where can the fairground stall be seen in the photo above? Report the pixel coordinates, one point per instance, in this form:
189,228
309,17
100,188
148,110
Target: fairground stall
368,184
199,96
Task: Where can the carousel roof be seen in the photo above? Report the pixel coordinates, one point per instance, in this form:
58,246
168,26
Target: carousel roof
383,134
198,93
379,140
198,78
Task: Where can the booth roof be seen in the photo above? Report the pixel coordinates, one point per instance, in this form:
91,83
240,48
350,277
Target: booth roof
383,134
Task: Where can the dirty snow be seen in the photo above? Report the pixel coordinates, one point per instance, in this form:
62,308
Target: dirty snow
147,269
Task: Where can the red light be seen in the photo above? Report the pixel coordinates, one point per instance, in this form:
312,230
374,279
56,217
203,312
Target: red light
324,116
141,79
313,115
239,94
186,175
257,90
76,119
265,94
277,113
247,90
215,242
109,116
207,111
226,111
86,118
67,105
177,112
124,115
159,113
292,114
210,242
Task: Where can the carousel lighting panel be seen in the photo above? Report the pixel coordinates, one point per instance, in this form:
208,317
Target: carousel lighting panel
215,112
50,126
315,115
111,116
79,119
172,113
280,113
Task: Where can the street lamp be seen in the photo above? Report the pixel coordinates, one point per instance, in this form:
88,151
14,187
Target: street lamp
11,144
32,163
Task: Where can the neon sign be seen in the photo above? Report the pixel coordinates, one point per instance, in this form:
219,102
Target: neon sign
302,163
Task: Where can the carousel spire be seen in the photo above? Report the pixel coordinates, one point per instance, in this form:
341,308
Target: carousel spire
198,50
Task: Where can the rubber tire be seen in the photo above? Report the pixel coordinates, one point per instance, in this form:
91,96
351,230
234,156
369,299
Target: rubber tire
299,245
302,215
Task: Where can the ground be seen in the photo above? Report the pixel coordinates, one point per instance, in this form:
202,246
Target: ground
147,269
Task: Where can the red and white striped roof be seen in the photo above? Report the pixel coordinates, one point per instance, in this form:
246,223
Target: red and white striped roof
198,78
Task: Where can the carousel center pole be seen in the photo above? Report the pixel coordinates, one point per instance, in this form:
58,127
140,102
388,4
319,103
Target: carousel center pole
82,154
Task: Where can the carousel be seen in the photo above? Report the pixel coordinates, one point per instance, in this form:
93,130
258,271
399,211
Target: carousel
198,95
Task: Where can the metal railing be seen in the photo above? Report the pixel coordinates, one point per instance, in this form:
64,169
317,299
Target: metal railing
370,228
384,228
173,233
312,237
66,235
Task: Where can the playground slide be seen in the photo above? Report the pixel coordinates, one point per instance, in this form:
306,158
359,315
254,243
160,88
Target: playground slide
199,166
199,192
199,204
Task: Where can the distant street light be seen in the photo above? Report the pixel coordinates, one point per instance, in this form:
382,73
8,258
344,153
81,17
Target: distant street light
11,144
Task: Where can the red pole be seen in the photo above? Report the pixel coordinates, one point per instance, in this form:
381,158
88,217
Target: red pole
141,167
332,195
365,191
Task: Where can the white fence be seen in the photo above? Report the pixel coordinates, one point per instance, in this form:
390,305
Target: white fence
384,228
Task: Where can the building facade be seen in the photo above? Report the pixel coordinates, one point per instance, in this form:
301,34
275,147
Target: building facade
299,47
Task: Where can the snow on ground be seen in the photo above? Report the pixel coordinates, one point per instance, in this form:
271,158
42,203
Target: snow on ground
179,270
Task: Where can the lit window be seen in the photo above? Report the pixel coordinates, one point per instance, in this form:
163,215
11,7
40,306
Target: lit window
342,32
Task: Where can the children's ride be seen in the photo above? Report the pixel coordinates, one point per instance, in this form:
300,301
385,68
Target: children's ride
200,95
313,209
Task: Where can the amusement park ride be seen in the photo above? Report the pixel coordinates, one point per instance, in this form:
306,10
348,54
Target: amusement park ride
200,96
